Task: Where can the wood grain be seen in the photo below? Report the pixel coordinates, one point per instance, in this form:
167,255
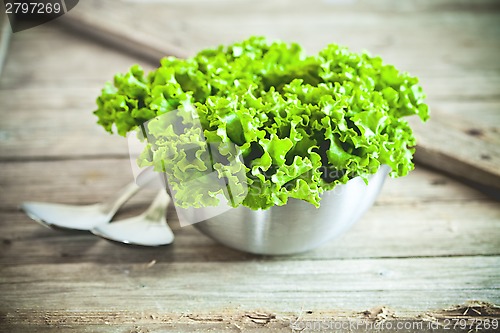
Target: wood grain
476,152
191,27
205,287
62,180
5,33
428,244
27,243
244,321
123,36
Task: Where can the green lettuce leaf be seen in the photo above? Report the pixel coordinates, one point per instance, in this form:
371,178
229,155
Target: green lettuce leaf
261,122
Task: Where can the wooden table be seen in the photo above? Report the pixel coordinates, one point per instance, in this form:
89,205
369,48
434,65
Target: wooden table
427,252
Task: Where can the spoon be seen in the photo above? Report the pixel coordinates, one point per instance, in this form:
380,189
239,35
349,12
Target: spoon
148,229
78,217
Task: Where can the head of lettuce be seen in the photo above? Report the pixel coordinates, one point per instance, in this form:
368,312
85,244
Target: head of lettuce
266,118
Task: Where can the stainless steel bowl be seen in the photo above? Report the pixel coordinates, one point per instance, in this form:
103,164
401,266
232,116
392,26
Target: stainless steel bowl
297,226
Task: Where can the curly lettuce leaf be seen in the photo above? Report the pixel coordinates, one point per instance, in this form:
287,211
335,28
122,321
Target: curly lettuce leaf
260,123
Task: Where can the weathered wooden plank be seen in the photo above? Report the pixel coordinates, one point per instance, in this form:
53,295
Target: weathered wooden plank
462,88
124,36
186,23
49,56
172,287
208,24
472,315
67,181
48,125
64,125
67,130
55,117
64,67
438,229
464,150
91,180
472,113
473,38
428,215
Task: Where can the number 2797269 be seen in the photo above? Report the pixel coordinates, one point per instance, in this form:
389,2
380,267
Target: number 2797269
33,7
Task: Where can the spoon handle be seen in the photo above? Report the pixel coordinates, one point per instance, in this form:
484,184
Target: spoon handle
144,178
111,206
158,208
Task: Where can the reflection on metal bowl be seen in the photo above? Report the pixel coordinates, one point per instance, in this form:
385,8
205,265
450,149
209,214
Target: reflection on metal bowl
297,226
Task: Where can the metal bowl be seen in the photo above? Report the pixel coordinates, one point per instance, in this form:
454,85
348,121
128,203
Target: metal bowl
297,226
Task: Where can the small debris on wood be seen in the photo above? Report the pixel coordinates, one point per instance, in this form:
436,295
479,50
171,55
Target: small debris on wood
260,318
485,157
379,313
439,181
474,132
138,329
207,319
427,318
151,264
473,309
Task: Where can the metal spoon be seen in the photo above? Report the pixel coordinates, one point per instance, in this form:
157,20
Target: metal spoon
77,217
74,217
148,229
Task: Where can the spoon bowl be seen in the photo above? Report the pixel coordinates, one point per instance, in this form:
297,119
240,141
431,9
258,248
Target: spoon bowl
66,217
77,217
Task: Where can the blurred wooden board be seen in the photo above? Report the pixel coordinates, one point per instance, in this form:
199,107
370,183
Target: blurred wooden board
464,149
96,18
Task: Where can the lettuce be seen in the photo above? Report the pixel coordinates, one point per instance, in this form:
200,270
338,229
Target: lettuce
259,122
